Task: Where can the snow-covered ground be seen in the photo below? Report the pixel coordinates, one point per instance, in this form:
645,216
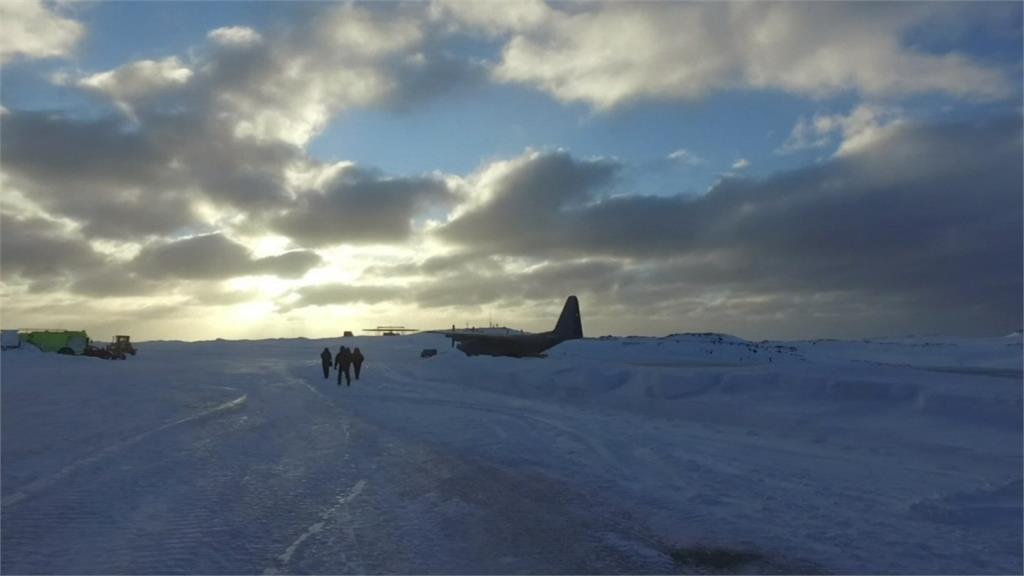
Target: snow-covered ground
609,456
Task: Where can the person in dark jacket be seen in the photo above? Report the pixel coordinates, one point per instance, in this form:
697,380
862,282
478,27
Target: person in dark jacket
325,359
342,361
357,361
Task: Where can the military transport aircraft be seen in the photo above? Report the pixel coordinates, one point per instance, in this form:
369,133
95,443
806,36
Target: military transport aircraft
569,327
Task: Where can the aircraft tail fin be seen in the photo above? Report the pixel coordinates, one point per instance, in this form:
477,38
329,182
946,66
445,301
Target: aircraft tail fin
569,326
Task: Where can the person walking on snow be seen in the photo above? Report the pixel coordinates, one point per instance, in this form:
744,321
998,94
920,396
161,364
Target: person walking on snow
325,359
342,362
357,361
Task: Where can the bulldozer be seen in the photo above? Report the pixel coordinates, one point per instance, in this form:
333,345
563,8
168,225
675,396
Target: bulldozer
122,345
116,350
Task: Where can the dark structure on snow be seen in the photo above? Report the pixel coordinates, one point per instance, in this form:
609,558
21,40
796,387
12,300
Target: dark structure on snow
569,327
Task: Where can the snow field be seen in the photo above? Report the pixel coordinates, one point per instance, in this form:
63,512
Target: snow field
892,456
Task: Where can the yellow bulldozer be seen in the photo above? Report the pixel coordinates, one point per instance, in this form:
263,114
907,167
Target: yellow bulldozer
120,346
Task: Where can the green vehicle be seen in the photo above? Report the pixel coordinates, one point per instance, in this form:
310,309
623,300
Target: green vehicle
60,341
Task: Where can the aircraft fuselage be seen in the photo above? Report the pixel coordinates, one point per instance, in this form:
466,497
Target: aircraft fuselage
515,346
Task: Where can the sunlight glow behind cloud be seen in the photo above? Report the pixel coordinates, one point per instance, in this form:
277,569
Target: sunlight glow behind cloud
179,189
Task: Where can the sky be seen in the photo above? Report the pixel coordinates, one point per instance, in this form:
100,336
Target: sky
772,170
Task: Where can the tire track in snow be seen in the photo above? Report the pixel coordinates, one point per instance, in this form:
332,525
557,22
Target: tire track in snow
289,376
339,508
342,503
530,418
40,484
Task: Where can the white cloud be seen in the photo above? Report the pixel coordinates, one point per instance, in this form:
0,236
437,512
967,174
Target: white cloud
139,79
30,29
492,18
740,164
685,157
235,36
607,54
805,135
356,31
864,125
287,87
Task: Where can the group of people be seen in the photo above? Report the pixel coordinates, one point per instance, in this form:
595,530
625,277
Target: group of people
342,361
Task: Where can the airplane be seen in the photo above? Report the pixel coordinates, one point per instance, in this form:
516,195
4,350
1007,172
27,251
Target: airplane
568,327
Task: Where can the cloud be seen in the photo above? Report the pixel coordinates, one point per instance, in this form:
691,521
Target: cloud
137,80
292,264
339,294
127,182
526,201
491,18
476,282
235,36
58,150
495,280
32,29
605,55
44,251
288,86
210,256
115,280
919,219
195,152
359,206
685,157
209,144
860,128
740,164
433,266
190,268
215,257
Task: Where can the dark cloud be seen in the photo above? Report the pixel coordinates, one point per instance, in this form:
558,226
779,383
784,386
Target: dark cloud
928,219
212,257
36,249
115,181
508,283
129,182
245,174
531,203
225,125
471,283
446,264
288,265
361,206
63,151
430,77
116,280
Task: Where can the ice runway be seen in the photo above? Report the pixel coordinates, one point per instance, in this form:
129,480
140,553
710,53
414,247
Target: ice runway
607,457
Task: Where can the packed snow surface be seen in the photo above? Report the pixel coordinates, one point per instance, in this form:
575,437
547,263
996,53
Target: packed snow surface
690,453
